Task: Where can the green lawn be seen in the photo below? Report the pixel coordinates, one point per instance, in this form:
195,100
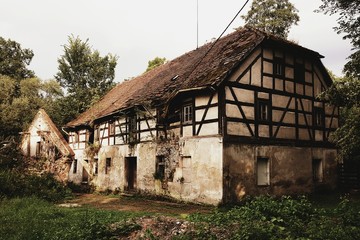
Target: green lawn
31,218
256,218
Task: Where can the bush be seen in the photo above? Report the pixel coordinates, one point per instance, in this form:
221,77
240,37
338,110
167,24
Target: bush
15,184
285,218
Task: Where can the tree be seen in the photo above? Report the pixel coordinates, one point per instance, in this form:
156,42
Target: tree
345,93
273,16
14,60
16,112
84,74
155,63
349,23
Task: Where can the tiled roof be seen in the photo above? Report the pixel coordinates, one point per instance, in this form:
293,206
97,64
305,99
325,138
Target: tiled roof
195,69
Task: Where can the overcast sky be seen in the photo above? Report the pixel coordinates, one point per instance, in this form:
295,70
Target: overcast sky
139,30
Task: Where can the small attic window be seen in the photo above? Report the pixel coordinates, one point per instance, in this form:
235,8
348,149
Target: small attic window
175,77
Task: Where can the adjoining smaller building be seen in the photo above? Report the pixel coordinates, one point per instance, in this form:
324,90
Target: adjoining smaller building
46,148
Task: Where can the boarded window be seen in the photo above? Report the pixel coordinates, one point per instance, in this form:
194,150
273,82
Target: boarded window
75,166
96,166
38,149
263,110
107,165
263,171
187,114
76,136
160,168
319,117
317,170
132,129
299,73
279,67
96,134
111,128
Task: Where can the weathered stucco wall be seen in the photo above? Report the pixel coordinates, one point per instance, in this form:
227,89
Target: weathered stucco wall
290,170
198,170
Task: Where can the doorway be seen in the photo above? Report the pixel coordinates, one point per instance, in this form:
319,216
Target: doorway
130,173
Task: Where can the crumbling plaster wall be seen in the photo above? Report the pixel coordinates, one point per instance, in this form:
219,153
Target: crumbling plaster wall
193,168
290,170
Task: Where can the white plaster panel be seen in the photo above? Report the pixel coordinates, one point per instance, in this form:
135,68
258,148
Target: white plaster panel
286,133
187,131
243,66
263,131
267,53
228,94
249,112
233,111
289,72
304,134
308,77
268,67
239,129
244,95
209,129
282,101
246,78
279,84
256,73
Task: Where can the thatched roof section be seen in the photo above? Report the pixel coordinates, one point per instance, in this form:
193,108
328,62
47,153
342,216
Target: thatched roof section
196,69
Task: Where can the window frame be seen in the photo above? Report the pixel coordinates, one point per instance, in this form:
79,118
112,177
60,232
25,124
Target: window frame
75,162
187,114
261,105
279,67
318,117
107,165
265,160
317,170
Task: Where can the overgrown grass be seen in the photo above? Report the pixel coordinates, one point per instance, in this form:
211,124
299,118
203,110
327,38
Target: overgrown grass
33,218
286,218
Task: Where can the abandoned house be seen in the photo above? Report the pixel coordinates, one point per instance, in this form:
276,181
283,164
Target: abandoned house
46,148
235,117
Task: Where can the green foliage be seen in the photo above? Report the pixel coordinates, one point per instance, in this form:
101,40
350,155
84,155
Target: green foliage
16,184
345,93
84,74
286,218
32,218
273,16
348,23
14,60
19,104
157,61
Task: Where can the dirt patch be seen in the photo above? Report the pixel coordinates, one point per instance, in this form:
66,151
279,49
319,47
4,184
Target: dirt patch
131,203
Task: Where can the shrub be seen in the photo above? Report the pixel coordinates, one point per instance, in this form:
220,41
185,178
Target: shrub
15,184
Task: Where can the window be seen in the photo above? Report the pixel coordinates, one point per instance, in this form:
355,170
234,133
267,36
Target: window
132,127
318,117
107,165
263,110
187,114
38,149
76,137
317,170
279,67
96,134
263,171
160,168
299,73
75,166
96,166
111,128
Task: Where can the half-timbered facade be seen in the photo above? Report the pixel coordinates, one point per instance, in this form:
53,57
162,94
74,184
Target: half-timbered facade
234,117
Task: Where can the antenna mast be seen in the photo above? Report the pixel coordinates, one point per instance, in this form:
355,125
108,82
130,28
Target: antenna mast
197,24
